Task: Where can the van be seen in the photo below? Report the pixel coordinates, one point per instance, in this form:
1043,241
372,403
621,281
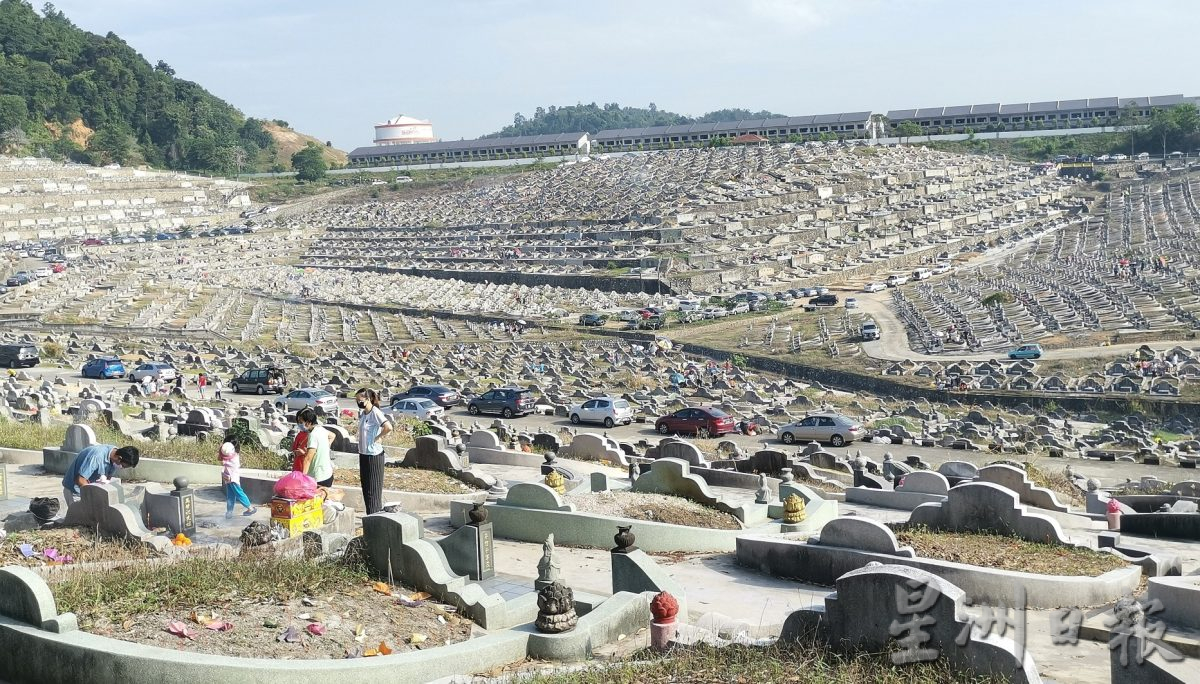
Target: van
922,274
18,356
870,331
259,381
690,305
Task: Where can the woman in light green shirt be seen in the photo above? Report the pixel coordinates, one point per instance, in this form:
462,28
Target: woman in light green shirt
318,460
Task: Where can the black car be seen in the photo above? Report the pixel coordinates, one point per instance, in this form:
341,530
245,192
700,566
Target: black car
507,401
591,319
18,280
18,356
824,300
439,394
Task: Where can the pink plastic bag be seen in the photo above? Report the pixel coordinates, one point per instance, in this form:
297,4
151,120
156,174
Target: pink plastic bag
296,485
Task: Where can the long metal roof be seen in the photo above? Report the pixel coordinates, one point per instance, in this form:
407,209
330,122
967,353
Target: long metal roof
476,144
734,126
1034,107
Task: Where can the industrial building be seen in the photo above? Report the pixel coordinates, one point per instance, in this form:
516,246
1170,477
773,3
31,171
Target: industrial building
473,150
1060,114
1099,111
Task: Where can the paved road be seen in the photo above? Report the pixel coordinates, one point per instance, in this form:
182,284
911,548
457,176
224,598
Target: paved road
1107,472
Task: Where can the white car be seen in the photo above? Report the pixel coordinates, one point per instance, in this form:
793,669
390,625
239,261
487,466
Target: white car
851,303
308,397
43,272
629,316
690,305
607,410
896,280
822,291
874,287
161,372
1120,157
421,409
942,269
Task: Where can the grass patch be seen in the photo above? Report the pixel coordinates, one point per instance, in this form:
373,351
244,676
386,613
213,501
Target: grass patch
1006,553
408,480
805,662
81,544
661,508
33,436
192,582
1057,482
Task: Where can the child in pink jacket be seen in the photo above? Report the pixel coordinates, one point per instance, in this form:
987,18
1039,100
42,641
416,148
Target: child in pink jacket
231,477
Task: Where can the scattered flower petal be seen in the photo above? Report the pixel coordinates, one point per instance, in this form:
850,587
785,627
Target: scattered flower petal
384,649
316,629
382,587
219,626
180,630
291,635
27,550
415,638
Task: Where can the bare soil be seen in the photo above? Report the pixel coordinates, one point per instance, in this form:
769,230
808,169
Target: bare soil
662,508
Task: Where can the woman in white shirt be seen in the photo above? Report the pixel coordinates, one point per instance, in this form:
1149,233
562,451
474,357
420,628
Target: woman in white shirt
373,426
318,460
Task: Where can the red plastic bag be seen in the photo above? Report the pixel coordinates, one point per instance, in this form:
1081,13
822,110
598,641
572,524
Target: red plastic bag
297,486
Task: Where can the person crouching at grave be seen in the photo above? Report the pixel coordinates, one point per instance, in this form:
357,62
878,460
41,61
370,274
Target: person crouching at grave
231,478
317,461
96,463
373,426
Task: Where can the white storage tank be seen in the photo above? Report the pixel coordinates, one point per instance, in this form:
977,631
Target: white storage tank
403,130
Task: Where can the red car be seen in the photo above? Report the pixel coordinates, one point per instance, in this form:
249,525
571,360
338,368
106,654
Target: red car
58,268
712,421
92,242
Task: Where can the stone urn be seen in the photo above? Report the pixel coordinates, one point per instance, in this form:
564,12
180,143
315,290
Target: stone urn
624,539
556,609
478,514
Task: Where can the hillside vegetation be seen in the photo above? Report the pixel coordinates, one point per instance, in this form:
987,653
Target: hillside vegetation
593,118
289,142
68,93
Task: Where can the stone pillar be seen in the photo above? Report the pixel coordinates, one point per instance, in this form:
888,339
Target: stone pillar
3,482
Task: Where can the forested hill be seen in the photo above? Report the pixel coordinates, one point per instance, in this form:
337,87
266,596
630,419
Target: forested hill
68,93
593,118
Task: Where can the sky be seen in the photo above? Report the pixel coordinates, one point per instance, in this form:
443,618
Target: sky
334,69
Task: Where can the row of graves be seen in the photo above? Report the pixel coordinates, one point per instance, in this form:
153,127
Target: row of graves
807,516
1131,270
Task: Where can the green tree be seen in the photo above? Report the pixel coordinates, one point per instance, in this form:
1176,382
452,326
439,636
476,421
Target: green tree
111,144
905,130
13,112
309,163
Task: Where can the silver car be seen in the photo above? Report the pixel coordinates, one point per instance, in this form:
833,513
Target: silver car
833,428
606,410
307,397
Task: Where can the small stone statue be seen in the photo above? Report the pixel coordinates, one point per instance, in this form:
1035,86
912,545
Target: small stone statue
548,567
556,609
763,495
793,510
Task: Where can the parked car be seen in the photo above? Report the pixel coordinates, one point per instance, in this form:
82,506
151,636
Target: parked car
154,369
439,394
942,268
740,308
652,323
18,356
833,428
629,316
18,279
823,300
259,381
896,280
309,397
421,409
507,401
695,420
1142,156
43,272
690,305
874,287
58,268
851,303
591,320
103,368
607,410
691,316
869,331
1120,157
1026,351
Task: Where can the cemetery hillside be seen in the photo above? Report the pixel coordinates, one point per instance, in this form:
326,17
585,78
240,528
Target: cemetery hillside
613,395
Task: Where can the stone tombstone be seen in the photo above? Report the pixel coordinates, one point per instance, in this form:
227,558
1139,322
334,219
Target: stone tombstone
469,551
431,453
79,437
679,449
485,439
825,461
175,510
3,482
958,471
924,482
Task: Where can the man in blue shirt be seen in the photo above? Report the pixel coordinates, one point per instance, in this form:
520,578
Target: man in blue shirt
96,464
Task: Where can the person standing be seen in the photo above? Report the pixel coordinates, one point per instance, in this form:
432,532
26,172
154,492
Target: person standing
317,462
231,477
96,463
373,426
218,386
201,381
